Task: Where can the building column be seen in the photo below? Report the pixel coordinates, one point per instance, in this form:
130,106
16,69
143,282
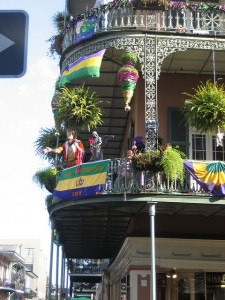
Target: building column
62,273
57,269
51,260
152,250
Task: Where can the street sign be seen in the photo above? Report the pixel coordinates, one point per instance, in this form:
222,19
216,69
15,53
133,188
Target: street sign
13,43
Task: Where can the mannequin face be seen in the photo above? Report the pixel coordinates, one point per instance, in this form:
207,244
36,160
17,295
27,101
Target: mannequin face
129,153
94,134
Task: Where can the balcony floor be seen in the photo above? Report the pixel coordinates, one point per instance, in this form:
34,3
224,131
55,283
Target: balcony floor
96,227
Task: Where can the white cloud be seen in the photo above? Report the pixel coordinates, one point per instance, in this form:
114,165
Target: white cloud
24,90
44,69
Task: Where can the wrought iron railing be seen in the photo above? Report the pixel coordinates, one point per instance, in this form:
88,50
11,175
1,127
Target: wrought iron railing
179,17
88,266
124,177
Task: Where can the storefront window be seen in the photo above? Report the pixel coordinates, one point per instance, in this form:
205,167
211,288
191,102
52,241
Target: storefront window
184,290
161,286
215,286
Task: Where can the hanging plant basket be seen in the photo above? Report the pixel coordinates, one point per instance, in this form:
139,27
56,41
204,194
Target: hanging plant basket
78,107
205,109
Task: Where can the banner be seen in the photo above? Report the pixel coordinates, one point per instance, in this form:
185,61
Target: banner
86,180
85,66
84,29
209,175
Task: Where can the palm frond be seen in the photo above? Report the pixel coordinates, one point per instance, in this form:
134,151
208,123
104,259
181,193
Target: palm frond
48,138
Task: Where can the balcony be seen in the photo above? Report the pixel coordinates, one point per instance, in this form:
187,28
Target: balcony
174,18
124,177
122,209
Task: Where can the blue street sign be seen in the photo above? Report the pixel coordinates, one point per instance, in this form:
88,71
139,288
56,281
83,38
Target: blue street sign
13,43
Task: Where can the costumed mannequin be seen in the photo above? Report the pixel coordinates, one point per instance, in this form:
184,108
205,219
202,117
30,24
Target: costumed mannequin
73,149
95,146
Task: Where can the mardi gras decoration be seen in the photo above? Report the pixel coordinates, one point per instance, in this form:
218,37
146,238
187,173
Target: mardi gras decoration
128,77
54,105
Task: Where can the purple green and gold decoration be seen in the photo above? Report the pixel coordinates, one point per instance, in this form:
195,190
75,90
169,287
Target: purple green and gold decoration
128,76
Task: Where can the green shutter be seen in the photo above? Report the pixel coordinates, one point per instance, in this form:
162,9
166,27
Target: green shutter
178,131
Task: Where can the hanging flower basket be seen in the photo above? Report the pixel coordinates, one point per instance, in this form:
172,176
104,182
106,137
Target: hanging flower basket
205,109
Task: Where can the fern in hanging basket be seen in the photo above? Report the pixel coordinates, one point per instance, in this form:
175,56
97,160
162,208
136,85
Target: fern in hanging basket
79,107
205,109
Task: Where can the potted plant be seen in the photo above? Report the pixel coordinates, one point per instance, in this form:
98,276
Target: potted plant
149,161
78,107
205,109
46,178
172,163
169,160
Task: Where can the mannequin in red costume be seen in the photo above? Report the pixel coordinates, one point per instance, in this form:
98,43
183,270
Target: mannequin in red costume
73,150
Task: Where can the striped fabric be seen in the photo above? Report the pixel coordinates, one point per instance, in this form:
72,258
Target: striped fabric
209,175
86,66
82,181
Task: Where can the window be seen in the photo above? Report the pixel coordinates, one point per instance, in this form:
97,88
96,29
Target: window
198,147
28,252
218,152
204,147
178,131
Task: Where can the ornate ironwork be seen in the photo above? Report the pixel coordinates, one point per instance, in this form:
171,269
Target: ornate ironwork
151,51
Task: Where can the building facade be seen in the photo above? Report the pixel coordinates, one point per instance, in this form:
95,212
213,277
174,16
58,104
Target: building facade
163,241
34,266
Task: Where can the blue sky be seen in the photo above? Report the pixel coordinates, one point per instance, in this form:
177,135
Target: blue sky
25,107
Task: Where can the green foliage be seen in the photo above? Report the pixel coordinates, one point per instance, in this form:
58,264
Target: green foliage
57,39
59,21
172,162
48,138
46,178
205,110
55,45
49,200
148,161
78,106
169,161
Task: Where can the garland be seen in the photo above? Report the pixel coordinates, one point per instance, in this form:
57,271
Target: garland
176,5
96,11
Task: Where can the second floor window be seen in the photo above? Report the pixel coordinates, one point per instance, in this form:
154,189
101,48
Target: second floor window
204,147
